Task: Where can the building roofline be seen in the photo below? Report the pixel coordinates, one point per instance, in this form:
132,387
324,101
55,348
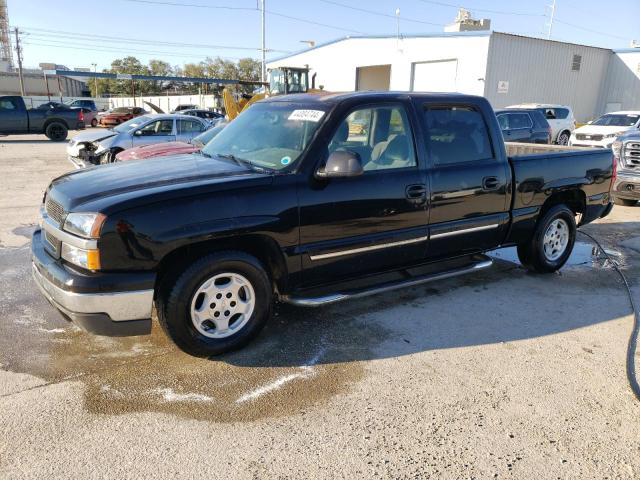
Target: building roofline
626,50
475,33
552,40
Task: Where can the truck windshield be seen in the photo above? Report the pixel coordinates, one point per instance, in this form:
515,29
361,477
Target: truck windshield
271,135
131,124
618,120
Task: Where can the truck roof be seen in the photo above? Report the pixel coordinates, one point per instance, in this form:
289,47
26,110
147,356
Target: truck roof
369,95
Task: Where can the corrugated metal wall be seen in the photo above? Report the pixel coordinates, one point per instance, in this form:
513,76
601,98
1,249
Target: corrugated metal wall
622,87
540,71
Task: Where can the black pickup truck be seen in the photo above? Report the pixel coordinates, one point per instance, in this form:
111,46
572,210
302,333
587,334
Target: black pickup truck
54,121
306,199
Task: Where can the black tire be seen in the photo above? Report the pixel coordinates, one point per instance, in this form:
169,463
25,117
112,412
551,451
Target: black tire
56,131
174,300
532,253
624,202
94,123
110,156
563,138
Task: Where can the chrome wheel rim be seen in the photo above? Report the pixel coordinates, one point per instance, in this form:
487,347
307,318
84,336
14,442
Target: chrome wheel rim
556,239
222,305
564,139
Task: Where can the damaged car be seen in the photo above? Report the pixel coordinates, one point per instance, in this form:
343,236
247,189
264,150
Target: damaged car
101,147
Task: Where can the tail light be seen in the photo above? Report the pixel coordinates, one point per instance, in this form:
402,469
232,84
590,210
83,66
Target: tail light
81,115
616,149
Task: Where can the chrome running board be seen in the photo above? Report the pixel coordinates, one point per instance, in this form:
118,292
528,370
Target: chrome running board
485,262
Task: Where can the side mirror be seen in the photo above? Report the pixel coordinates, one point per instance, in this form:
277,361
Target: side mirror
138,133
589,122
341,164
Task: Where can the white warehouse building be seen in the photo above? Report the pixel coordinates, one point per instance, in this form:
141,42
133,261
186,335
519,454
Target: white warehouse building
507,69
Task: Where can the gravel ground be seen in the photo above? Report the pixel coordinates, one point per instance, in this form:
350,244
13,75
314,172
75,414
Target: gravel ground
498,374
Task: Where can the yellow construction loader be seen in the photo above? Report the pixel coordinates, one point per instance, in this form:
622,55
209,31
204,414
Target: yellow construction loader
282,81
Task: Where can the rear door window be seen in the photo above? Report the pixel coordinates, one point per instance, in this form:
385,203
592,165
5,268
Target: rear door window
519,120
190,126
456,134
8,104
561,113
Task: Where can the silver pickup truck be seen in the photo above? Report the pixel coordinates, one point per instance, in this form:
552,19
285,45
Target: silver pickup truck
626,190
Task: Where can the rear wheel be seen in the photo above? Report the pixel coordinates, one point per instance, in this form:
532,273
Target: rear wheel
624,202
56,131
217,304
552,242
563,138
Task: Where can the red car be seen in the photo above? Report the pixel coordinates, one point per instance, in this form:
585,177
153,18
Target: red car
121,115
169,148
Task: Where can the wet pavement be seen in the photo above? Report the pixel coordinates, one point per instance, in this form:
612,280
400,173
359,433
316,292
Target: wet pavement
499,373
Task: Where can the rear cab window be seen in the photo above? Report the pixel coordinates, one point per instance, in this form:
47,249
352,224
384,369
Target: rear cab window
456,134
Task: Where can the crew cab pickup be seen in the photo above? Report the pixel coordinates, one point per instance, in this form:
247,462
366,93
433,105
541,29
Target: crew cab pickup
54,122
290,203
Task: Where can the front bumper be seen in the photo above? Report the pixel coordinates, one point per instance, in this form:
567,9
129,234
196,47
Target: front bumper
606,143
627,186
101,303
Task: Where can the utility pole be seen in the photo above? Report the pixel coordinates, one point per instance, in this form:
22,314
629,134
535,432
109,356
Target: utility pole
398,28
19,52
553,14
95,79
263,76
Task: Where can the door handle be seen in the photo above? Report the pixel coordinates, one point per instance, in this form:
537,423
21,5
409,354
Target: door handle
490,183
416,193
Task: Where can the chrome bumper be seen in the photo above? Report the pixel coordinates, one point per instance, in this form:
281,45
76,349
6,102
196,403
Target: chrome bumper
627,186
119,306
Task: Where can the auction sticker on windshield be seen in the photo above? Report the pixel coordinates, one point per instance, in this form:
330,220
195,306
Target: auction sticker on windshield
306,115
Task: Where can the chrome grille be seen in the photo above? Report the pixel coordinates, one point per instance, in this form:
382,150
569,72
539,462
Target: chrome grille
631,155
583,136
55,211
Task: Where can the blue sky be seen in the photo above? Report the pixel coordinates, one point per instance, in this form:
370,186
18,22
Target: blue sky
78,34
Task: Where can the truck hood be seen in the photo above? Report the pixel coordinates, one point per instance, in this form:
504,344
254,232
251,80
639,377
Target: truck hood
144,177
601,129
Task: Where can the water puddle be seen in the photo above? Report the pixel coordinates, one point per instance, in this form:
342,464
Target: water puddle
584,255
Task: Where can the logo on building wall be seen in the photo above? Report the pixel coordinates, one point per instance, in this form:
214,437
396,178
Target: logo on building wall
503,86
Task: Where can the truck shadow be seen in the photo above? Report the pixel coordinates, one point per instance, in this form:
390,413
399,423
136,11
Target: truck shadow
306,356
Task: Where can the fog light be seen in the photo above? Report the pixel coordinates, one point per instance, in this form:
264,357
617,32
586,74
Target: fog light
89,259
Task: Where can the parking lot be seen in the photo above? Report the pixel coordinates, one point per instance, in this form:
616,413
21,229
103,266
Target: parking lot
497,374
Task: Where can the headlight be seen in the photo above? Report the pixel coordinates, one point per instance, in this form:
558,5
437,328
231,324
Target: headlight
85,225
617,149
612,135
89,259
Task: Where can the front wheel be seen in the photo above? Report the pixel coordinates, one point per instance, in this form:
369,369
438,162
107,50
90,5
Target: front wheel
552,242
94,123
218,304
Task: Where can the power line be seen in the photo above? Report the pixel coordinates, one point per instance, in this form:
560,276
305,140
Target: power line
590,30
380,14
94,37
269,12
484,10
